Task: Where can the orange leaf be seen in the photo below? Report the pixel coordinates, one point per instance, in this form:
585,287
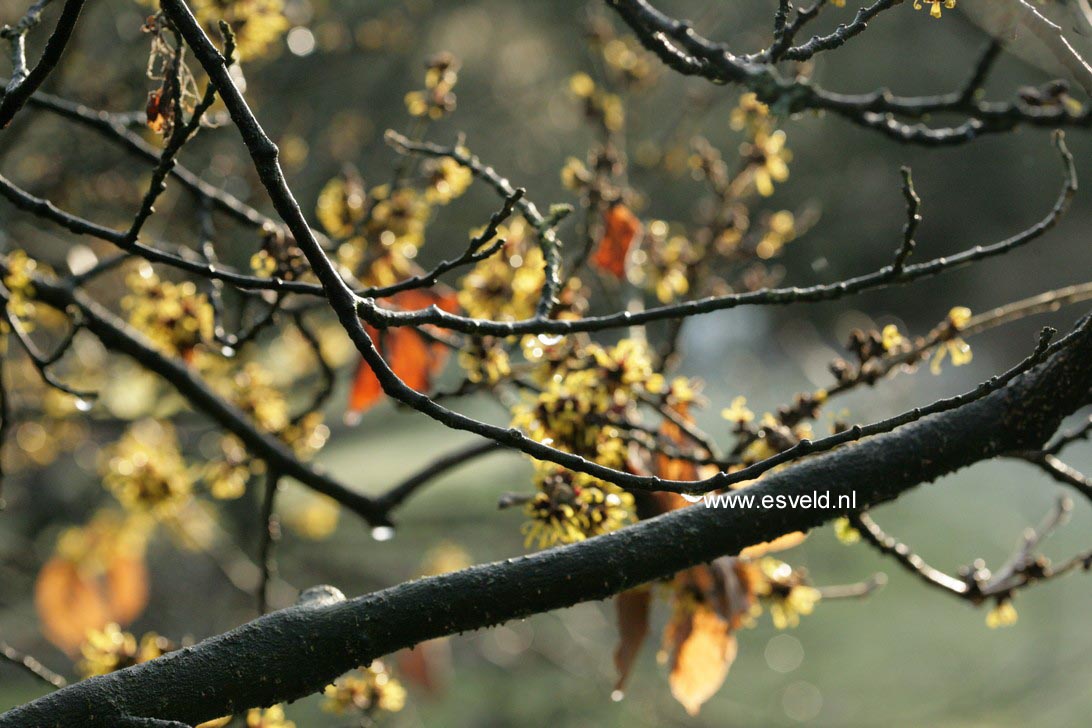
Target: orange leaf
68,604
366,392
632,607
410,357
126,588
704,650
620,228
781,543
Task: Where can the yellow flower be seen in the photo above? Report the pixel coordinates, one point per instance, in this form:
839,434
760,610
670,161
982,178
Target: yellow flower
959,316
891,338
173,315
340,206
365,690
738,411
447,179
581,85
771,161
846,533
749,113
258,24
1002,615
780,230
785,591
571,507
505,286
145,470
111,649
487,363
575,174
269,718
958,349
934,6
438,97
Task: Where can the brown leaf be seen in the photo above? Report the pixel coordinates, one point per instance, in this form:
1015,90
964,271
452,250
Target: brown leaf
620,228
68,603
704,650
632,607
157,120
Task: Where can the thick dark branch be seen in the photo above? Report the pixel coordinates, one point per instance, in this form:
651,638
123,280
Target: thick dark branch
296,651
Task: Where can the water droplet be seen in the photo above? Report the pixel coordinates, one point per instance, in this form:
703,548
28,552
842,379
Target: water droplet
82,405
383,533
550,339
617,696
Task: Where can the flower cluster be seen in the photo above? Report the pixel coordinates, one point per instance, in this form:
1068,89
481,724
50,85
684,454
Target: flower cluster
953,347
934,6
367,690
600,106
437,99
174,316
785,592
570,507
17,280
258,24
506,286
109,649
145,470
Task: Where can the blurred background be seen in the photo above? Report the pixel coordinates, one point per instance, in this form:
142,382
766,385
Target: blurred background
336,81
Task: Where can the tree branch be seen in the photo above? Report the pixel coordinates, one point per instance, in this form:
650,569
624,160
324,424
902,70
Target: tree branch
294,652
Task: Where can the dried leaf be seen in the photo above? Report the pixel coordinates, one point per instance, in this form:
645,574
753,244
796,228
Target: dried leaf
632,607
704,650
620,228
68,603
157,119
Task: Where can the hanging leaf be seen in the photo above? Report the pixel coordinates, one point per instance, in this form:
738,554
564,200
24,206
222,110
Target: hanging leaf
632,607
68,604
157,118
704,650
412,357
620,228
365,392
